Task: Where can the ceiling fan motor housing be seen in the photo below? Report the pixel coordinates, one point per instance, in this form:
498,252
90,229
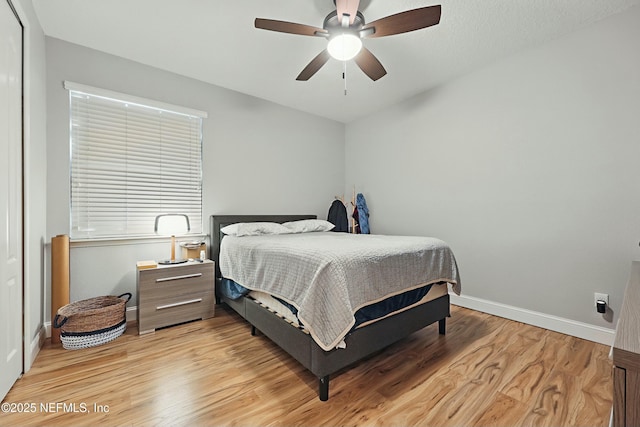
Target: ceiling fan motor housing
332,22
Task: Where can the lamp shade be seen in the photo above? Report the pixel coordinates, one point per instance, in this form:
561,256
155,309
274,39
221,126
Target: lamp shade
172,224
344,47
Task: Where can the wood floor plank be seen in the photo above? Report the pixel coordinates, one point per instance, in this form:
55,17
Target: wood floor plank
486,371
534,366
503,411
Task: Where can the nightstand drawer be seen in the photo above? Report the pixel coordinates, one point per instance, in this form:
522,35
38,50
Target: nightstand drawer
176,280
159,287
157,312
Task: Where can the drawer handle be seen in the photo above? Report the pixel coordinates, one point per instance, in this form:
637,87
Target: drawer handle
186,276
178,304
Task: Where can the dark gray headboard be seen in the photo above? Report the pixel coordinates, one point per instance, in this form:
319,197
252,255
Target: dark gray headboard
219,221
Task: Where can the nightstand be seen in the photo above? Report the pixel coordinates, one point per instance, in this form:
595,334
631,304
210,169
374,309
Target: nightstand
172,294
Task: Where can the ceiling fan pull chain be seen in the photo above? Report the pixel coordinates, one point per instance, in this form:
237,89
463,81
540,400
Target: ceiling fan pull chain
344,76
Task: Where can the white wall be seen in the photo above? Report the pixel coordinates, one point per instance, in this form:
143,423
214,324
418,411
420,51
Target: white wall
35,167
528,168
259,157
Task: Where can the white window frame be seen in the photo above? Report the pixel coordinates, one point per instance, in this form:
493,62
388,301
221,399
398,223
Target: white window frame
144,161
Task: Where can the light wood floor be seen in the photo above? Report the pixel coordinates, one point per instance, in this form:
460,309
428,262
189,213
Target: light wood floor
487,371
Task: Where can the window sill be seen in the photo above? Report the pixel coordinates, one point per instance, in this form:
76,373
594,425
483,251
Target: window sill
122,241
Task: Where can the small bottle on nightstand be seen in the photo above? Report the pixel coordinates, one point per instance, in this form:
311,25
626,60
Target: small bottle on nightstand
203,255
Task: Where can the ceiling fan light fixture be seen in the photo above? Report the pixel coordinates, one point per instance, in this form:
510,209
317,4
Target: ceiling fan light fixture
344,35
344,47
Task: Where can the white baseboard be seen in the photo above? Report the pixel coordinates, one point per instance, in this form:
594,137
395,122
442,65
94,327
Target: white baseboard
130,316
558,324
36,344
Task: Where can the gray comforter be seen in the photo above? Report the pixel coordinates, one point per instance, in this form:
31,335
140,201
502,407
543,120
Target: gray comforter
328,276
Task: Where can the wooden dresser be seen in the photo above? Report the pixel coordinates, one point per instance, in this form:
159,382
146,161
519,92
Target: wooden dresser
173,294
626,356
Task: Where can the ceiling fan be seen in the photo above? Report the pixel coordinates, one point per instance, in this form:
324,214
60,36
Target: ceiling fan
345,28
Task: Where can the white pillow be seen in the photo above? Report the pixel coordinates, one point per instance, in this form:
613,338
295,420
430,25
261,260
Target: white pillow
308,225
254,229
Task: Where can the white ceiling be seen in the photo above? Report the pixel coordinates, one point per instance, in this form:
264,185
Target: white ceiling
215,41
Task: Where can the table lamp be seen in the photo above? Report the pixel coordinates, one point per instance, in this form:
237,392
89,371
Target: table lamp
172,225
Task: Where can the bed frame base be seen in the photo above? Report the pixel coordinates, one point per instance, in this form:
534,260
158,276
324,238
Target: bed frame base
361,342
323,382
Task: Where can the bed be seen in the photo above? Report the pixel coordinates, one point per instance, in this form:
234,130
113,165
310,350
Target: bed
317,353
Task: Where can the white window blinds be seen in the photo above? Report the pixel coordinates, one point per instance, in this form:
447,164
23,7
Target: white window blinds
131,160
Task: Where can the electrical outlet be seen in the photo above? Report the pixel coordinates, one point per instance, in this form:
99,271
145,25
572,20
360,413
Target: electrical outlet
604,297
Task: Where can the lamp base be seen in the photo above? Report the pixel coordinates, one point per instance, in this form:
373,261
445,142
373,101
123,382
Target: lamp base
172,261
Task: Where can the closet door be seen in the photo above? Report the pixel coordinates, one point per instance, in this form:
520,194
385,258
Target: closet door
10,197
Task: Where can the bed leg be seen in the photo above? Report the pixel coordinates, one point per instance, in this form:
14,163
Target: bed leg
253,331
323,388
442,325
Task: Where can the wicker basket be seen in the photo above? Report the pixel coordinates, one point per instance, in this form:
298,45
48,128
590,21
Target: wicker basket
92,321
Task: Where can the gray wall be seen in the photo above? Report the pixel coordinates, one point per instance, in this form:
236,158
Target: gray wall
259,157
528,168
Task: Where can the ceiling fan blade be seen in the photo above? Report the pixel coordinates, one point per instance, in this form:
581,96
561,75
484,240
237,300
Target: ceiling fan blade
404,22
349,7
313,66
369,64
289,27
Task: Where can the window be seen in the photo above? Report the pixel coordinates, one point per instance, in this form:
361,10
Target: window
131,160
